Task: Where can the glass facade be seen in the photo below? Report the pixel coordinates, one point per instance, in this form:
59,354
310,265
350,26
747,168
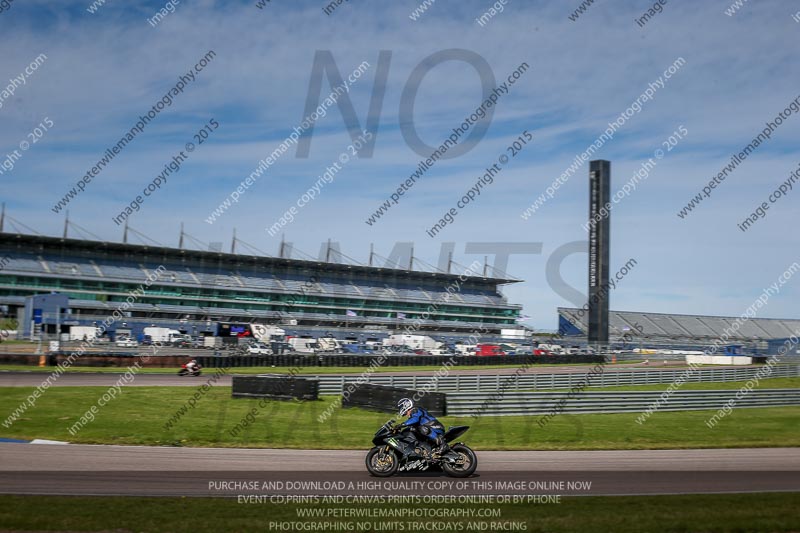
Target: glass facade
207,285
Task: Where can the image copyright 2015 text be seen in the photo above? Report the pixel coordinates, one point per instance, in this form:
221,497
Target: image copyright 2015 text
169,168
315,190
38,132
761,210
129,136
514,149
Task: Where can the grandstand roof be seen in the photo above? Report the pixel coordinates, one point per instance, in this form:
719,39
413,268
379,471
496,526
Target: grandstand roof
675,326
140,250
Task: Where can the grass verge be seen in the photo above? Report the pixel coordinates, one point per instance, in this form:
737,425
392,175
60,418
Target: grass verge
725,513
153,416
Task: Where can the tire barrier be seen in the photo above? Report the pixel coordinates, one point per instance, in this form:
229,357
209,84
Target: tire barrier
384,399
23,359
275,386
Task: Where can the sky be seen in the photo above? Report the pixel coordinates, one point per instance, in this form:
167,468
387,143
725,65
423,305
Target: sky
103,65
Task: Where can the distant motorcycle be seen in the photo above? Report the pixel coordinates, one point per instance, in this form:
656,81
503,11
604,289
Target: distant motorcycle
184,371
397,449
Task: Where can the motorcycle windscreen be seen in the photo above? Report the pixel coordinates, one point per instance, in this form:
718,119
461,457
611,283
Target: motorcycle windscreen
455,432
381,433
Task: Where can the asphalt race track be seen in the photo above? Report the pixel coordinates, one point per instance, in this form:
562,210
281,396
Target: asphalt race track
107,379
169,471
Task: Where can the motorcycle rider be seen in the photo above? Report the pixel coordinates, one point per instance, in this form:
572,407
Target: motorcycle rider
192,366
424,423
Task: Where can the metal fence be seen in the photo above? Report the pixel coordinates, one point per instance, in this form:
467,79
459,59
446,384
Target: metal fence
542,403
531,382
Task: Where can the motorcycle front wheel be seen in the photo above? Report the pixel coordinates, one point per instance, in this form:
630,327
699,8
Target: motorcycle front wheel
382,463
465,465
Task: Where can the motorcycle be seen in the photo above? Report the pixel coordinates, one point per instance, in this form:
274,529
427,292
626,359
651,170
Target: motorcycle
397,449
184,371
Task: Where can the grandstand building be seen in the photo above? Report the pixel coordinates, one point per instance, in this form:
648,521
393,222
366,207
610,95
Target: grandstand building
685,329
198,290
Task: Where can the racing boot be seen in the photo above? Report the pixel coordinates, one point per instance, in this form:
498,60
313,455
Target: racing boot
441,447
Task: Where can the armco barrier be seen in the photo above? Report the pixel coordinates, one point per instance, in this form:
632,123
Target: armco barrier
541,403
380,398
329,384
276,386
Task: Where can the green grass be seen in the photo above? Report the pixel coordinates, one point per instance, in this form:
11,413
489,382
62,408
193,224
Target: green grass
139,415
724,513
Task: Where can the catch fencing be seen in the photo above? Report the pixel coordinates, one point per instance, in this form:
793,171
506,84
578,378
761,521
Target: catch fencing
329,384
541,403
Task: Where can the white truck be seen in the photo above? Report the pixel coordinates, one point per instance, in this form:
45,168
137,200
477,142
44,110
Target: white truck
163,334
513,333
415,342
303,345
211,342
78,333
466,349
555,349
265,333
328,344
320,345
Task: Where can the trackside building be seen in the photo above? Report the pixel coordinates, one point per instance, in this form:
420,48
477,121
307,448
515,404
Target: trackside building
196,291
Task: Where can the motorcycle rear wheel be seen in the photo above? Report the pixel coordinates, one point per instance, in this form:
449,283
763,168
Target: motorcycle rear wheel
381,463
468,462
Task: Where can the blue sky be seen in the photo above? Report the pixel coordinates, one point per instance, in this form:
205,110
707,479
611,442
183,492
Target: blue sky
105,69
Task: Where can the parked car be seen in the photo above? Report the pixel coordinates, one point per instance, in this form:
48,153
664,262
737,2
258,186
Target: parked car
354,347
401,350
127,342
259,348
182,341
490,350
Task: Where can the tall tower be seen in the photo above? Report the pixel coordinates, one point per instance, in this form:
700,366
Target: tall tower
599,242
